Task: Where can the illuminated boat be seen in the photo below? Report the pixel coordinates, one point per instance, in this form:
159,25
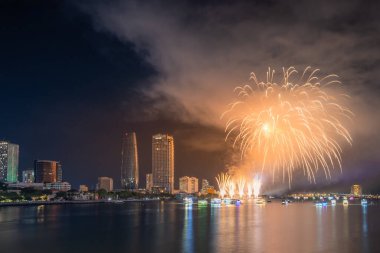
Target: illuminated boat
227,201
285,202
260,201
319,204
202,202
364,202
345,202
236,202
333,202
188,200
216,201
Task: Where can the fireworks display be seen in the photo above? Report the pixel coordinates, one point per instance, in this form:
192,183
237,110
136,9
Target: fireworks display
245,187
297,123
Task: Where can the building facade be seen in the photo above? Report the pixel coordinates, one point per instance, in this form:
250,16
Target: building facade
83,188
163,161
149,181
129,162
105,183
46,171
28,176
356,190
9,156
58,186
188,184
59,172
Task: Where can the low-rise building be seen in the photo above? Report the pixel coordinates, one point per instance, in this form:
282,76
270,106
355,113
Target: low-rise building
105,183
83,188
188,184
58,186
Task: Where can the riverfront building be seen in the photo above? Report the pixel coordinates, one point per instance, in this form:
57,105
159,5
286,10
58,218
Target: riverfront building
9,156
188,184
46,171
163,162
28,176
105,183
129,162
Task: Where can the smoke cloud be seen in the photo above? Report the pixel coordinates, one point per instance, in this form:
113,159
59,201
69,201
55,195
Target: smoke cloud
201,52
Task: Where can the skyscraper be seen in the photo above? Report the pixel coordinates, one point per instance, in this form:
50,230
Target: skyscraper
129,162
8,161
46,171
163,161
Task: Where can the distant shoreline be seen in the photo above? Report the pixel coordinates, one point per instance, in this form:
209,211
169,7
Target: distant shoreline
70,202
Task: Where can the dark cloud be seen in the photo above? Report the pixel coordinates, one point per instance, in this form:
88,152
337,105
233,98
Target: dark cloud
201,52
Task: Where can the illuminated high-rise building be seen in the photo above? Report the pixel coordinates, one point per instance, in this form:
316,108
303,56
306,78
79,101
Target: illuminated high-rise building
129,162
163,162
356,190
28,176
9,154
46,171
188,184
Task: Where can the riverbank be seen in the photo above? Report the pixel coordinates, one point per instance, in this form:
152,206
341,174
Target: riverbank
71,202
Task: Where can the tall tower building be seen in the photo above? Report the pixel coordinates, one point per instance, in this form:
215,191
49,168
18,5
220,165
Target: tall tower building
129,162
46,171
163,162
8,161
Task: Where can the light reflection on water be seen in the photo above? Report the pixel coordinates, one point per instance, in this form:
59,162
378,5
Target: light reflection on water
172,227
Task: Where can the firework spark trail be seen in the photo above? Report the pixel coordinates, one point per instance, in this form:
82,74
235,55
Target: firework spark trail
249,190
223,180
294,124
231,188
241,185
256,186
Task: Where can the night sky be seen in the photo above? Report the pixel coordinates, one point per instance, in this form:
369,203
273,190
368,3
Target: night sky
75,75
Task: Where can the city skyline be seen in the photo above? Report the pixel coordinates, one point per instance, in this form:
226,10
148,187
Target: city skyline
70,95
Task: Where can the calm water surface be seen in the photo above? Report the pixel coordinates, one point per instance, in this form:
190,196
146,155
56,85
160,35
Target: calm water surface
171,227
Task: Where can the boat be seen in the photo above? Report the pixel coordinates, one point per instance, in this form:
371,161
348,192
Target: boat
235,202
202,202
364,202
285,202
345,202
333,202
260,201
188,200
227,201
216,201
